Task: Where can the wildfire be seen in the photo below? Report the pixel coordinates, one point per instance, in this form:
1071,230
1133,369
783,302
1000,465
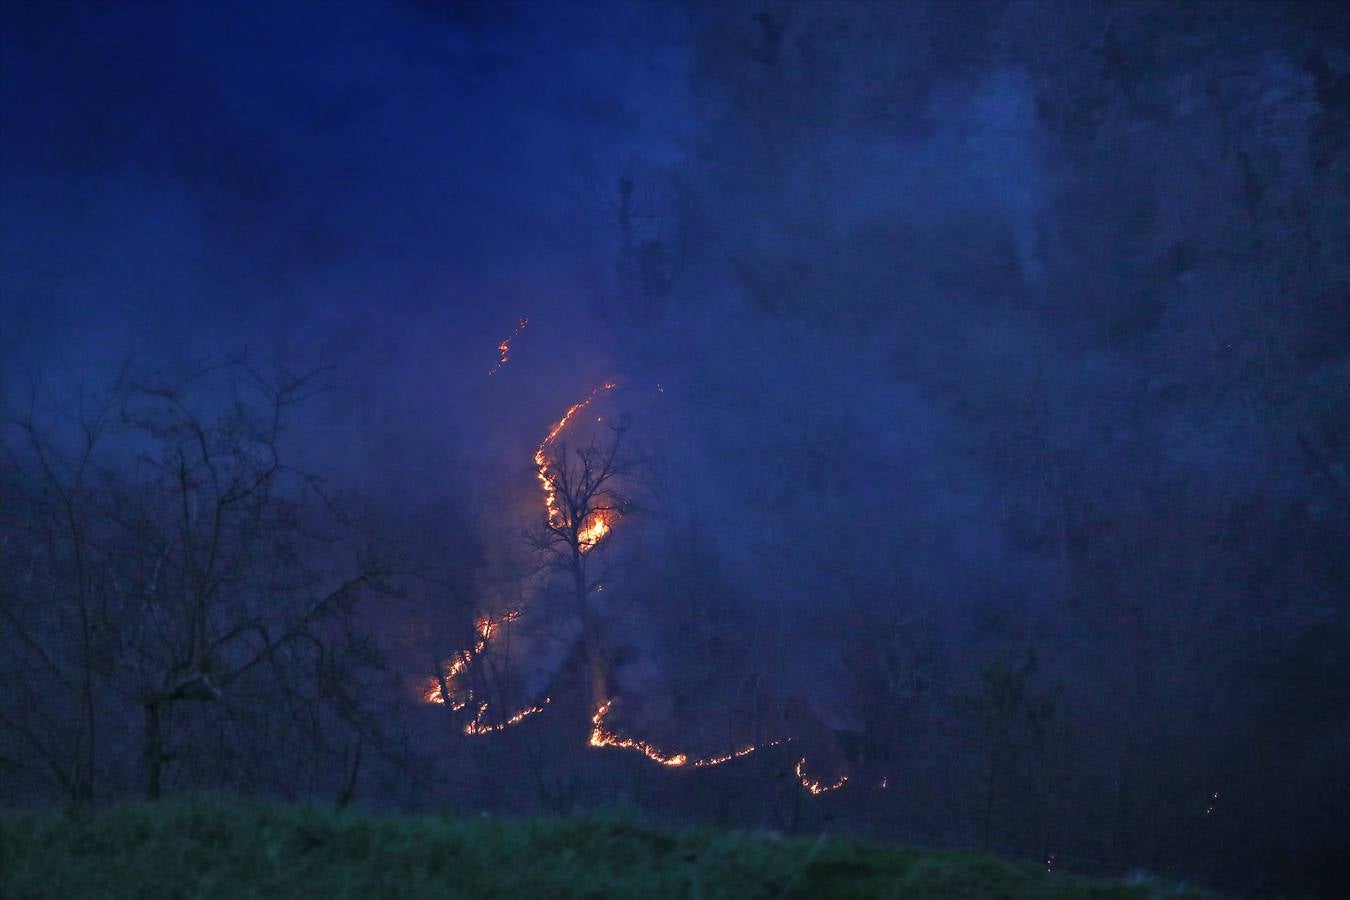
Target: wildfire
477,726
594,529
599,524
718,760
590,533
504,348
487,628
603,738
817,787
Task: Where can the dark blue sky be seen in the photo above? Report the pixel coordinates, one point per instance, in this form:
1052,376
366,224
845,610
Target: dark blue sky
385,186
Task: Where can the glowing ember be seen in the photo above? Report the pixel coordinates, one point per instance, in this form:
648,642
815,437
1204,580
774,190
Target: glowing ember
718,760
477,726
456,665
594,529
603,738
589,533
504,348
486,628
816,787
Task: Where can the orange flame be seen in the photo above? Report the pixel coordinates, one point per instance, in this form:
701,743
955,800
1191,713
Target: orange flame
459,663
600,737
589,534
718,760
594,529
504,348
817,787
477,726
487,628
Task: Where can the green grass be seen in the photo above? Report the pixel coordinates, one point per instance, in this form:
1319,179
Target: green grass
211,848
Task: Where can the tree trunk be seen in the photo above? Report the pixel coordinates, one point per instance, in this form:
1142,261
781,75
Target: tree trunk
597,665
348,791
599,676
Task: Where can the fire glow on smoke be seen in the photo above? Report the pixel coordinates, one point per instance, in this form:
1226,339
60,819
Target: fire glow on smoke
599,523
589,534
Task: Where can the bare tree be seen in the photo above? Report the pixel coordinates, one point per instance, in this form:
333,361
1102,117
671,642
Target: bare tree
176,566
587,497
57,605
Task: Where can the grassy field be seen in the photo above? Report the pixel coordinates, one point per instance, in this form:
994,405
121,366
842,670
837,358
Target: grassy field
208,848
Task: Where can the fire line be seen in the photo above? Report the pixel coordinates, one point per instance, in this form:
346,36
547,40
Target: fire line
589,535
504,348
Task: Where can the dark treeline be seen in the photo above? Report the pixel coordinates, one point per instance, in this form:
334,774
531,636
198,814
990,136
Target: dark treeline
981,433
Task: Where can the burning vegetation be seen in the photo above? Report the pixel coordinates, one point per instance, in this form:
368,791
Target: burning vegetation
594,525
817,787
598,523
455,666
445,688
504,348
601,737
478,726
